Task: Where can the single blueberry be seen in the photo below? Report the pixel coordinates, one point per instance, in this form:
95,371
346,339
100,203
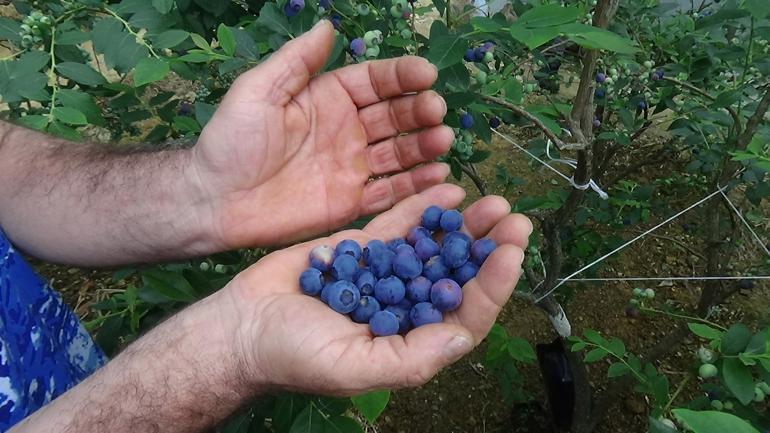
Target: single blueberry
418,289
481,249
446,295
468,57
642,105
417,233
326,291
425,313
372,247
466,121
494,122
601,77
383,323
435,269
406,264
405,303
457,235
478,54
379,258
358,46
311,281
431,218
349,247
365,282
402,314
488,45
343,297
600,93
451,220
455,252
465,273
345,267
597,123
394,243
293,7
426,248
389,290
322,257
366,308
336,21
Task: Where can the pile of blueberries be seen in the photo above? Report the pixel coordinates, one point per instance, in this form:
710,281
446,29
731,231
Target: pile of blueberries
404,283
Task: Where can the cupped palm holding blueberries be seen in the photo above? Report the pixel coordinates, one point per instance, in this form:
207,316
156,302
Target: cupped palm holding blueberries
413,280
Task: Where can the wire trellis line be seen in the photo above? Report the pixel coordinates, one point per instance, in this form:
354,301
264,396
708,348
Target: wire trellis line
704,278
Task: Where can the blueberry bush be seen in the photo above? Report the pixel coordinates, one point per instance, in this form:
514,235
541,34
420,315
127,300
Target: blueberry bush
593,79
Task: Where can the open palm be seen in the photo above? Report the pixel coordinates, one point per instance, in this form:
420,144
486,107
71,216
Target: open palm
288,155
292,341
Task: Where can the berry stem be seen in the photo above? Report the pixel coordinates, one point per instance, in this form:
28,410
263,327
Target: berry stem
748,54
52,77
131,31
12,55
678,391
682,316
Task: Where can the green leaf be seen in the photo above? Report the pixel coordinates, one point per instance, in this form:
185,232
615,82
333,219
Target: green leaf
200,42
82,102
69,116
169,39
738,380
533,38
595,355
33,121
713,422
342,424
308,421
513,90
371,404
727,98
197,56
273,19
169,284
521,350
758,8
724,14
10,30
617,347
446,50
246,46
80,73
596,38
484,24
163,6
150,70
578,346
549,15
594,337
735,339
186,124
704,331
203,112
226,39
120,49
617,369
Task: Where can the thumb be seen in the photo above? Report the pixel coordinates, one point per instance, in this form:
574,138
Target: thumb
289,69
413,360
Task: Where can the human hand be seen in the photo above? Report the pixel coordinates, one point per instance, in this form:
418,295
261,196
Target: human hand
290,341
287,156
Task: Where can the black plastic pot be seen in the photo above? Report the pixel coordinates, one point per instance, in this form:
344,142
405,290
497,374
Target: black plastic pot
559,382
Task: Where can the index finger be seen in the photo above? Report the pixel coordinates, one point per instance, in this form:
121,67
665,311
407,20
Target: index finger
371,82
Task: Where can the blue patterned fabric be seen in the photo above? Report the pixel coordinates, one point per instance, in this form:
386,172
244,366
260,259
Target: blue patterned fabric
44,349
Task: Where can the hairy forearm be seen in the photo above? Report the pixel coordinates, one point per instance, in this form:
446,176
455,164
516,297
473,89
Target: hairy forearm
87,205
180,377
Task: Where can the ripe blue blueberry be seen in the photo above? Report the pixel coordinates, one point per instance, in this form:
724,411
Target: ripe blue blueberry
466,121
402,314
345,267
597,123
435,269
383,323
465,273
426,248
326,4
601,77
600,93
425,313
406,264
405,304
366,308
455,252
481,249
293,7
349,247
468,57
451,220
379,258
322,257
418,289
488,45
457,235
417,233
394,243
389,290
336,21
478,54
494,122
326,291
642,105
431,217
343,297
365,282
311,281
446,295
358,46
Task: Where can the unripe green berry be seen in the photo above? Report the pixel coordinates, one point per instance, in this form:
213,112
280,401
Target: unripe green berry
481,77
729,405
707,371
369,38
394,12
649,293
220,269
759,395
205,266
638,292
406,34
716,404
372,52
488,57
648,64
363,9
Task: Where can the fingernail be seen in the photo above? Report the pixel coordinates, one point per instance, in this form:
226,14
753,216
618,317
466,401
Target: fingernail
457,347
